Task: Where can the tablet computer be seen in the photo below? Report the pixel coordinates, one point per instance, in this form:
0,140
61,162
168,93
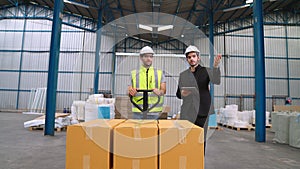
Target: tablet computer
189,88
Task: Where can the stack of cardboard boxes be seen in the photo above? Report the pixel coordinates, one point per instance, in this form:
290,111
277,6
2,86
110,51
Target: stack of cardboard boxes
123,108
135,144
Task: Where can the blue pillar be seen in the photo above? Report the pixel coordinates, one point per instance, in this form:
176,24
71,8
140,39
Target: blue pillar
211,49
21,61
53,68
98,50
260,86
114,60
287,56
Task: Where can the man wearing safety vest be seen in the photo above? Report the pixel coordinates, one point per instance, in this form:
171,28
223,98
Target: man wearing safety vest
147,78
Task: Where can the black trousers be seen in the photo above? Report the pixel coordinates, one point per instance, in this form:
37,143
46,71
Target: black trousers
202,121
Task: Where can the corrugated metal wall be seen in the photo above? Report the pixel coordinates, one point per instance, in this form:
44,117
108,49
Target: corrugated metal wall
282,62
23,68
24,65
10,44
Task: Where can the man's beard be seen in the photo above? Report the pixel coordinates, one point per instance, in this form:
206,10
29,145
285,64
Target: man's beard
194,65
147,65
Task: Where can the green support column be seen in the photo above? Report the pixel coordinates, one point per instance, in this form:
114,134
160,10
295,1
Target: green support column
53,67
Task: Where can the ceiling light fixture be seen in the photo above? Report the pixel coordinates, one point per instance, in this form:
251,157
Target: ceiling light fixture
163,28
249,1
145,27
76,3
235,8
156,28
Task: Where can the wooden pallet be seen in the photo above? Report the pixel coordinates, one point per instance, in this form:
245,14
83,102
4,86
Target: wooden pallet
267,126
214,128
249,128
42,128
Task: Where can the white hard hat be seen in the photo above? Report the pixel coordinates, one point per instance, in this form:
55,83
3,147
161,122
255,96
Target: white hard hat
191,48
146,49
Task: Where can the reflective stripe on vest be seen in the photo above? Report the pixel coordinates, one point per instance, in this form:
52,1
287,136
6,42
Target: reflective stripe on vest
139,81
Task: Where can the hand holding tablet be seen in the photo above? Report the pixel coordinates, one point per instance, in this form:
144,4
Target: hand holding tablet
185,91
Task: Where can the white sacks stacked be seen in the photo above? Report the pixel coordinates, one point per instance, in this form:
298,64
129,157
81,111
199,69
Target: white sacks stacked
232,117
294,131
243,119
274,120
95,105
77,110
228,115
286,126
282,131
267,117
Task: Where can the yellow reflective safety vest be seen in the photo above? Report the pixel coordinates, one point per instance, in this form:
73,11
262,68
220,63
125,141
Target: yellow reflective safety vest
147,79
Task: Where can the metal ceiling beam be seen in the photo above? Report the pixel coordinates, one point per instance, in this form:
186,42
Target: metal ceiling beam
218,5
95,4
108,12
47,4
233,13
243,13
13,2
266,8
42,12
192,10
224,12
122,15
136,18
88,11
78,10
203,5
118,9
133,5
176,13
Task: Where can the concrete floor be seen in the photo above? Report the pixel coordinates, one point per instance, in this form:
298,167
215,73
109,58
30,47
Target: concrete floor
226,149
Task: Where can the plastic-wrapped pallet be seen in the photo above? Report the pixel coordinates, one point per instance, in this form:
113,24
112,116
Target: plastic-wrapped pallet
230,116
77,110
282,131
245,116
241,124
227,115
274,121
267,117
91,111
220,116
232,107
294,131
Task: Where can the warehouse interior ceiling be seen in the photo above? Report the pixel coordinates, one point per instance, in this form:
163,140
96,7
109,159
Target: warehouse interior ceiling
195,11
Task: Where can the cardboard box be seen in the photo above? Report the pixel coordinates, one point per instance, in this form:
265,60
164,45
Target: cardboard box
136,145
89,144
286,108
166,109
123,108
181,145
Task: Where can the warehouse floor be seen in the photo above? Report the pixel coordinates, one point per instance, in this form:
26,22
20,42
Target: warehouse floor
226,149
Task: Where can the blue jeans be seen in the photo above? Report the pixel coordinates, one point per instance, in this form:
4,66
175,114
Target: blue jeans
140,116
